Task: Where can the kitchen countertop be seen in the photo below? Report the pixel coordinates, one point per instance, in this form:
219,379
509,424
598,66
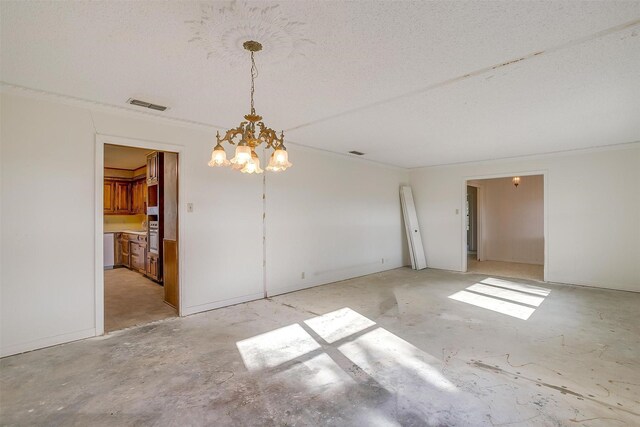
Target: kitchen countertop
137,233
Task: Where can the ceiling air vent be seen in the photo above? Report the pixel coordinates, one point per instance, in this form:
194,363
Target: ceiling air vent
146,104
357,153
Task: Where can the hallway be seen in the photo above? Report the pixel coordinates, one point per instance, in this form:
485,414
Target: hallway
514,270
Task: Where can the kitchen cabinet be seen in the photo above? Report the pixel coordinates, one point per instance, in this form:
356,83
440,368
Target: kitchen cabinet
138,252
132,251
139,196
122,197
125,197
152,266
124,250
109,197
153,167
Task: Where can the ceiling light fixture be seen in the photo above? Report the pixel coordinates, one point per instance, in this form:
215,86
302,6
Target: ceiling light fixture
246,160
516,181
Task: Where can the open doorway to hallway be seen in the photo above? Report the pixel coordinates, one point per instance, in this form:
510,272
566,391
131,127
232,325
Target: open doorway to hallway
140,221
505,227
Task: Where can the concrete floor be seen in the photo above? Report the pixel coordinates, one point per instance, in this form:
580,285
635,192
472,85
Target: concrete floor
131,299
395,348
505,269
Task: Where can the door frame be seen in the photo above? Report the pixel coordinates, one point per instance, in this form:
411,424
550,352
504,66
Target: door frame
100,141
463,228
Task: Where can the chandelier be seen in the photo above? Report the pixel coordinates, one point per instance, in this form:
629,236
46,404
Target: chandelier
250,134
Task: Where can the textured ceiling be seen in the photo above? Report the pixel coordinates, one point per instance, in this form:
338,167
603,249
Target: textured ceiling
408,83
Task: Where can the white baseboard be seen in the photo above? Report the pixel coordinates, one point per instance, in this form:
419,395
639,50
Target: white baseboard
332,278
222,303
46,342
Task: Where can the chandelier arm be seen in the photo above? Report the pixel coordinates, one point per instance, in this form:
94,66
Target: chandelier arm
269,137
232,133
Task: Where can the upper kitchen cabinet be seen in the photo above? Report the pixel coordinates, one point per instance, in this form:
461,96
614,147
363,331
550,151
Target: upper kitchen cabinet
139,196
109,197
125,196
153,167
122,197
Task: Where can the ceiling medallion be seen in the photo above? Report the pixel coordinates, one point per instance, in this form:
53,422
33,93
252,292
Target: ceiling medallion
222,27
246,160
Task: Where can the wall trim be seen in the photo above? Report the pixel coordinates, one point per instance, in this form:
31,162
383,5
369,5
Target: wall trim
552,154
15,89
46,342
314,283
128,111
194,309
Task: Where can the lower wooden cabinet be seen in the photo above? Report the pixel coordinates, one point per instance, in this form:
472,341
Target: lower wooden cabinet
153,270
138,252
125,258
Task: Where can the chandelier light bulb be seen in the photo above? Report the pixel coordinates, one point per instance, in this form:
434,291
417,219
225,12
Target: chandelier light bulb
252,165
279,160
218,157
243,155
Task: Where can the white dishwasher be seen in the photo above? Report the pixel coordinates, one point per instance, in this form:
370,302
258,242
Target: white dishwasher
108,250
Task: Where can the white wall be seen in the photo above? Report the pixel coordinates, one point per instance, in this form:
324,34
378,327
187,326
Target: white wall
513,219
318,208
48,219
592,213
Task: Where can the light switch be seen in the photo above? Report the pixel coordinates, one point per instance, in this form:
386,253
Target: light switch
189,207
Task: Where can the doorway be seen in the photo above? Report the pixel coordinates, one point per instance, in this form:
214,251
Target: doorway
505,227
138,281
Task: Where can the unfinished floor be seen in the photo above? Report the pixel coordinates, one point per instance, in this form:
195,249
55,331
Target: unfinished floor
131,299
395,348
506,269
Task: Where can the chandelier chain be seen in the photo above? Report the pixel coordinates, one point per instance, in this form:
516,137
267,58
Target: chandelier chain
254,75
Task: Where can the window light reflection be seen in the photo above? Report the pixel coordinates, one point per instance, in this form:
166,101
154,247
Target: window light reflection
503,296
276,347
392,361
339,324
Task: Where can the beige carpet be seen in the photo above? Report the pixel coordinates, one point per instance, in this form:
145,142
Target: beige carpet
131,299
505,269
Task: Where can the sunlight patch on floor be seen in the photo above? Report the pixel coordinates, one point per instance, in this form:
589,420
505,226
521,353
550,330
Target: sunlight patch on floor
503,296
276,347
506,294
386,358
523,287
339,324
393,362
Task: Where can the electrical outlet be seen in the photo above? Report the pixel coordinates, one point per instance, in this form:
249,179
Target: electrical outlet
457,211
302,275
383,260
189,207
